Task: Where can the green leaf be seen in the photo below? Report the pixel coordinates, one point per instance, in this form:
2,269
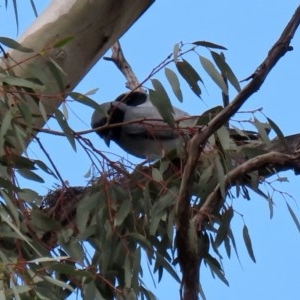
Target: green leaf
176,49
141,240
85,208
231,236
208,115
162,103
91,92
221,176
174,82
278,132
30,175
29,196
5,125
161,261
248,243
57,73
123,212
63,42
263,129
33,8
213,73
294,217
17,231
44,167
58,283
156,175
14,45
224,138
17,161
209,45
83,99
27,83
73,247
190,75
224,227
43,111
43,222
216,268
10,207
225,69
127,271
65,128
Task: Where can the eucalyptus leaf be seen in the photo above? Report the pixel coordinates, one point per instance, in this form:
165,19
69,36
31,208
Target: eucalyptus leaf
294,217
190,75
174,82
209,45
17,81
123,212
30,175
63,42
213,73
65,128
248,243
14,45
161,101
83,99
225,69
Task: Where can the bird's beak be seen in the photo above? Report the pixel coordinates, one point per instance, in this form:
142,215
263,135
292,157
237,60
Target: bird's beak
107,139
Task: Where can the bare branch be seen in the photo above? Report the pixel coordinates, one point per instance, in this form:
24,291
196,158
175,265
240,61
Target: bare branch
122,64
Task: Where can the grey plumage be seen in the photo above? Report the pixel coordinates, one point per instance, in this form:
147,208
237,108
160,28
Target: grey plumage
143,132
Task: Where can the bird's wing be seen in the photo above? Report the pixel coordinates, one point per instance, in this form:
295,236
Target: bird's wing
149,123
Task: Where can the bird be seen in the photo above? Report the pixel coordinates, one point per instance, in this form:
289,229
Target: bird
134,123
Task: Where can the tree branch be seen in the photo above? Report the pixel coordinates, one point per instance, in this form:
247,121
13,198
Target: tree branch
195,146
122,64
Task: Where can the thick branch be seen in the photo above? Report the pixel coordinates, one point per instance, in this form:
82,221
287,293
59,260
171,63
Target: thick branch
194,148
274,159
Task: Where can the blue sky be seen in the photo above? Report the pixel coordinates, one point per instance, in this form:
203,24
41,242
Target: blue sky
247,29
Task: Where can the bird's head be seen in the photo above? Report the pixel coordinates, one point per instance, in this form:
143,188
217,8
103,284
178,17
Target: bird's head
108,114
111,113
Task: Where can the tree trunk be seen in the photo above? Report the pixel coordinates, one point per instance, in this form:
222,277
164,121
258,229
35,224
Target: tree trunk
92,27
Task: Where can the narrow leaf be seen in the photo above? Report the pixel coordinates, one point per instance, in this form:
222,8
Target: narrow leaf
216,268
63,42
174,82
248,243
209,45
57,73
175,52
190,75
43,222
225,69
30,175
14,45
213,73
156,175
278,132
161,101
44,167
65,128
294,217
83,99
16,81
33,8
123,212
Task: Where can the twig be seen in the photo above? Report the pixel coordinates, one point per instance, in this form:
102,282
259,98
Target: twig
51,161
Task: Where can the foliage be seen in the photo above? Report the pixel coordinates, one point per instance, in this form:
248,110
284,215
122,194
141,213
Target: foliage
92,238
